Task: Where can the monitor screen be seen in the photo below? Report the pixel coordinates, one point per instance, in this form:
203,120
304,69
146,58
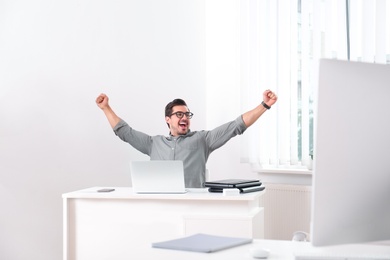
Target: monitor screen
351,169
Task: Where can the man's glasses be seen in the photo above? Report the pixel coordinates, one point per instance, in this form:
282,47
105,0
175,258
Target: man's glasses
181,114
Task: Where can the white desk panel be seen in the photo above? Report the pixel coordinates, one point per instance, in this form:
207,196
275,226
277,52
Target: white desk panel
97,224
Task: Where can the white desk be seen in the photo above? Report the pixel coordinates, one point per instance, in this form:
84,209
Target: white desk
115,225
279,250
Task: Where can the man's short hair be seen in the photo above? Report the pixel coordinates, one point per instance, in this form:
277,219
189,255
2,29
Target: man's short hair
170,105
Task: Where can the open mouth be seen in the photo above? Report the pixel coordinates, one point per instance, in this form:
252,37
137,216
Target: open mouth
183,125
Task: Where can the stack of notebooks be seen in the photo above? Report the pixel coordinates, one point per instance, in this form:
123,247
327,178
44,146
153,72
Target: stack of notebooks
244,186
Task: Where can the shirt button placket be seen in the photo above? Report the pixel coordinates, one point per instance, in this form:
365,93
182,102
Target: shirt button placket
173,148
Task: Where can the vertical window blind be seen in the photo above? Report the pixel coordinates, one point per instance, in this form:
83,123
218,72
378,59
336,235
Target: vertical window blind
281,42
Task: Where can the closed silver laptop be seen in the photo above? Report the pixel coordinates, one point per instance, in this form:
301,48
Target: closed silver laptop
157,176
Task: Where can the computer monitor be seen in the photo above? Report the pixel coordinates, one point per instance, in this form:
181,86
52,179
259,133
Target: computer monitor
351,168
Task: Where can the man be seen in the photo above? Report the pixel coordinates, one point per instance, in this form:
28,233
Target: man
191,147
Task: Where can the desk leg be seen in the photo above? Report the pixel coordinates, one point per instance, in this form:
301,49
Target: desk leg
65,229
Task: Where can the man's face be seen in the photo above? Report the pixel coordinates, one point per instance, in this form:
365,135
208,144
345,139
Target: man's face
178,126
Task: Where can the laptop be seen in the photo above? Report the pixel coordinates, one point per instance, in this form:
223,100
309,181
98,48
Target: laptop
157,176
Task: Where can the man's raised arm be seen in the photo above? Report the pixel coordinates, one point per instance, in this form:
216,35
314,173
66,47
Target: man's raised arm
250,117
102,102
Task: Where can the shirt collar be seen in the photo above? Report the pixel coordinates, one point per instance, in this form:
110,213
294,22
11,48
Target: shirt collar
189,133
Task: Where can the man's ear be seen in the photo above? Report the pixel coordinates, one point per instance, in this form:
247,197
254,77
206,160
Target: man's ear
167,119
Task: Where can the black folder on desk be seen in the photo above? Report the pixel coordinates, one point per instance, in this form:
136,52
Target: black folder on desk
202,243
232,183
242,190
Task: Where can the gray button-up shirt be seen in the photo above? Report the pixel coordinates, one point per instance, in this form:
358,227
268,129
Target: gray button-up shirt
192,148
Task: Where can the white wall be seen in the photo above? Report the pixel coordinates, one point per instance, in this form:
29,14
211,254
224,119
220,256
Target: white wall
222,81
56,57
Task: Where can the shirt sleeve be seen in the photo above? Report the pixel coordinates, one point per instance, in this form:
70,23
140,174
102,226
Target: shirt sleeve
220,135
140,141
